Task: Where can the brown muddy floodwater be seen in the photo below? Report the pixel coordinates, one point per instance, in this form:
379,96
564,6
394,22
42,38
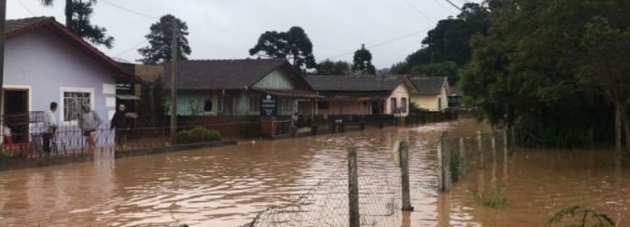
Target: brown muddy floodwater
227,186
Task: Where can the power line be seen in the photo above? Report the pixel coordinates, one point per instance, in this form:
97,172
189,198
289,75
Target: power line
129,10
454,5
382,43
26,7
418,10
131,48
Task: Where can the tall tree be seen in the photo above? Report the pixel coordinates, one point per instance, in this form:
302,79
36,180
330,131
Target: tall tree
444,69
329,67
362,63
160,41
293,45
78,14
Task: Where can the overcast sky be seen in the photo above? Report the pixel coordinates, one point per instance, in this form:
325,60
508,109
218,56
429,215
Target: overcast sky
227,29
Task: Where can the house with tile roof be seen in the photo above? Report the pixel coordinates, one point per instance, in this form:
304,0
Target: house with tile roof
237,87
46,62
433,93
361,95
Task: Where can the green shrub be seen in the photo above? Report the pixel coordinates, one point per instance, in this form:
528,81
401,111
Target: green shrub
12,155
493,198
184,137
197,135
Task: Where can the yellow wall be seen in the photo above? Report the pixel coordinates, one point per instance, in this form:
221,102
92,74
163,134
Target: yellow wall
400,92
430,102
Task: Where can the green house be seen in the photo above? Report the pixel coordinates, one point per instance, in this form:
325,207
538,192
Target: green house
235,87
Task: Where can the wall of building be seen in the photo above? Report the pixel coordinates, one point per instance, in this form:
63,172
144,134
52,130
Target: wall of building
275,80
45,63
399,93
346,108
432,102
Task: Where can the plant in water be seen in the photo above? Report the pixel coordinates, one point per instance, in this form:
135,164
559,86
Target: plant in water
493,198
586,217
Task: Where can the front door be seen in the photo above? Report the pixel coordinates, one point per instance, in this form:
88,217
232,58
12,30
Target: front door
16,113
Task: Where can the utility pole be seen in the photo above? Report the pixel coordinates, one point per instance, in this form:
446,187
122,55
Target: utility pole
3,12
173,87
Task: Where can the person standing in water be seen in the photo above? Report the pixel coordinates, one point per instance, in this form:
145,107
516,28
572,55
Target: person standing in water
89,122
50,126
120,123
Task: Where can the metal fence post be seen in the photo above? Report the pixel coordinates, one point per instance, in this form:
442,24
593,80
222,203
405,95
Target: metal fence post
353,189
404,167
494,145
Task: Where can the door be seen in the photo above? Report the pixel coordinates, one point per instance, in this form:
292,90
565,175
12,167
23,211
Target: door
16,113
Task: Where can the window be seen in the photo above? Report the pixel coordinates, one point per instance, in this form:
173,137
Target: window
403,103
323,105
72,102
254,103
394,105
207,106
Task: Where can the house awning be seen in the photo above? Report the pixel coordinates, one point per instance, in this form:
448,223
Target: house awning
290,93
128,97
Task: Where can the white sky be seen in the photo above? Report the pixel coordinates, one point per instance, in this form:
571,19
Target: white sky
227,29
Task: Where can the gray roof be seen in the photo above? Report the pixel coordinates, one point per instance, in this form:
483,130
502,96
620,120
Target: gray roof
344,83
429,85
12,27
225,74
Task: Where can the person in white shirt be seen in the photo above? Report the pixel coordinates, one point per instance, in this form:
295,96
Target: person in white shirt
50,126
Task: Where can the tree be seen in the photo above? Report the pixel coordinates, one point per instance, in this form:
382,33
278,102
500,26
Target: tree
363,62
328,67
293,45
160,41
443,69
78,14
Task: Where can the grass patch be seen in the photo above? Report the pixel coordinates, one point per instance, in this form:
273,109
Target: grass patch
493,198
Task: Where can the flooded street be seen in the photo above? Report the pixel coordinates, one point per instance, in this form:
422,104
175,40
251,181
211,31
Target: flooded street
227,186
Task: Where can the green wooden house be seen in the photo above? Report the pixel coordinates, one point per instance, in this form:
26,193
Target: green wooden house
235,87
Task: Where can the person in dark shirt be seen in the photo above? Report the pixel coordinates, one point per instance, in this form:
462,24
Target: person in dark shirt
121,124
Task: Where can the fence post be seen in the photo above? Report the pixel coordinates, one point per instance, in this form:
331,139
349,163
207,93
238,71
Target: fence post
444,165
505,143
462,156
480,151
404,167
353,189
494,145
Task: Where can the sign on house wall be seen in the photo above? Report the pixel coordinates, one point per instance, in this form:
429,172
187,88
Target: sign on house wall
268,105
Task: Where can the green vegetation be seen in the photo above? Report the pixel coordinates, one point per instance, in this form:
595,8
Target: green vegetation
493,198
362,62
329,67
198,135
152,107
586,217
12,155
294,45
78,14
160,39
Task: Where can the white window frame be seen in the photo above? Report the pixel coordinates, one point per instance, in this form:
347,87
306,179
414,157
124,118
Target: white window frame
62,90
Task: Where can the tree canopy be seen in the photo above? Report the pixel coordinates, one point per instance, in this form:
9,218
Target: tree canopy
78,14
555,70
293,45
362,62
161,39
328,67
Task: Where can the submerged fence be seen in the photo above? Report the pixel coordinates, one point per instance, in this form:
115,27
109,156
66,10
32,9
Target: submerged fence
364,192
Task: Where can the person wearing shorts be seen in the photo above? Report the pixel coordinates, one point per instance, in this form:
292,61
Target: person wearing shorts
89,122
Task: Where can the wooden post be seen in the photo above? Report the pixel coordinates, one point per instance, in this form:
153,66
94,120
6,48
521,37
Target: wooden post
3,11
481,164
505,143
353,189
173,85
618,130
462,156
404,168
494,145
513,139
443,165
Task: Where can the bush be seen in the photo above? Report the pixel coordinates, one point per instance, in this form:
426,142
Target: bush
184,137
197,135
